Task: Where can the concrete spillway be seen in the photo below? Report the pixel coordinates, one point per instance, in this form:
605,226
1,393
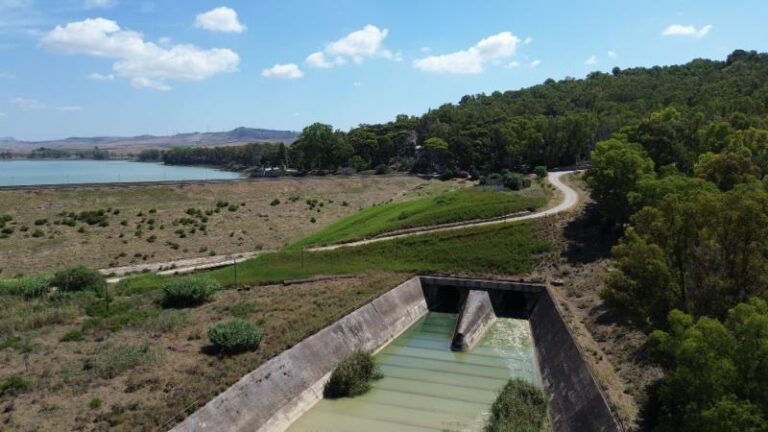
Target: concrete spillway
419,367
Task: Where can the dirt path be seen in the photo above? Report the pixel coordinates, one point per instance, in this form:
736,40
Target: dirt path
569,200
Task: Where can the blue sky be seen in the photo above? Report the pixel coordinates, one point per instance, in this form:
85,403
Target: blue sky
119,67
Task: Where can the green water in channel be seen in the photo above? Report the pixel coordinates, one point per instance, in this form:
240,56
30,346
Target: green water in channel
428,387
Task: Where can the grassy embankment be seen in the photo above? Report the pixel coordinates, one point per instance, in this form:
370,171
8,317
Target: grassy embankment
448,207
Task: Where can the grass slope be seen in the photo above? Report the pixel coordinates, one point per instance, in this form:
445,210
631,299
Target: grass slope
506,249
457,206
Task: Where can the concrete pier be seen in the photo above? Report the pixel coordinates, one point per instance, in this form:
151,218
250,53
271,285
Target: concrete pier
476,317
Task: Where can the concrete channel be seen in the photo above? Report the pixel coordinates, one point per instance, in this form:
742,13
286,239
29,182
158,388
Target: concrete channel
461,311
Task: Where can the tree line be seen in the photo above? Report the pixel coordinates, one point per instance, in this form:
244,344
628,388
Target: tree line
556,123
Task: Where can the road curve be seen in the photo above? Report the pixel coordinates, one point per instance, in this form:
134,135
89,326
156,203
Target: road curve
570,199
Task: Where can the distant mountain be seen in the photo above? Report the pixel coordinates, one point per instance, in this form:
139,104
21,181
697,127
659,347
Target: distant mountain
124,144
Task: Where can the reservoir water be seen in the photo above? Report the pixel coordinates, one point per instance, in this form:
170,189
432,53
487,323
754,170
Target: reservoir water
428,387
51,172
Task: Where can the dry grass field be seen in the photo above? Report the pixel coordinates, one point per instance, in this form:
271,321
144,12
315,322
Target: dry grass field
142,367
165,222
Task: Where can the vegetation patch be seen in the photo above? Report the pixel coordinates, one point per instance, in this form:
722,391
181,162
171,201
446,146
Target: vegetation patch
352,376
28,287
111,361
520,407
235,336
14,385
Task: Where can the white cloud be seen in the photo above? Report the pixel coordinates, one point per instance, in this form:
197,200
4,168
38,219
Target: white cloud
513,64
99,4
26,104
101,77
145,64
473,59
612,55
426,49
355,47
357,84
320,61
6,75
686,30
591,61
527,40
283,71
534,64
222,19
2,114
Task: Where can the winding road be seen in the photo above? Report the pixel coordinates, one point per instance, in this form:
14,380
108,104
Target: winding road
569,201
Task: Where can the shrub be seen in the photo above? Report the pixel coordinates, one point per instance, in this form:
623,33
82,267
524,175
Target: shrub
275,202
540,171
520,407
382,169
352,376
189,291
39,222
72,336
79,279
95,403
235,336
514,181
13,385
37,233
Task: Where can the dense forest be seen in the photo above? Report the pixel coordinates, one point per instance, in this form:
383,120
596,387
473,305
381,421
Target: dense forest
687,186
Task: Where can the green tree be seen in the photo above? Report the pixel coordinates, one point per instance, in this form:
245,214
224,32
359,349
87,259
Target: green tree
617,166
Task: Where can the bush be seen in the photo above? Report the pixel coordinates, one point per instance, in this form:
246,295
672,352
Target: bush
540,171
13,385
37,233
189,291
275,202
235,336
520,407
79,279
352,376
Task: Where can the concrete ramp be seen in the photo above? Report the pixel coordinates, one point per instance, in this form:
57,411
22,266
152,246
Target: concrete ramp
476,317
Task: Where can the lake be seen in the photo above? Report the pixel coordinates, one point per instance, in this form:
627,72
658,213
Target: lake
54,172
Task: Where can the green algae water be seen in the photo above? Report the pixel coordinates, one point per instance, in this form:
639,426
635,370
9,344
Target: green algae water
428,387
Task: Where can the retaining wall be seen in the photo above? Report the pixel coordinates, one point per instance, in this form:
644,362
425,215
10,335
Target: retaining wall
576,403
273,396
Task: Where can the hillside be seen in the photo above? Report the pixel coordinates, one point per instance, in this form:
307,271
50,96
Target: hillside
235,136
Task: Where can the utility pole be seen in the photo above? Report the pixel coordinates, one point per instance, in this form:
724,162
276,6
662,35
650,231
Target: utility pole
234,262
